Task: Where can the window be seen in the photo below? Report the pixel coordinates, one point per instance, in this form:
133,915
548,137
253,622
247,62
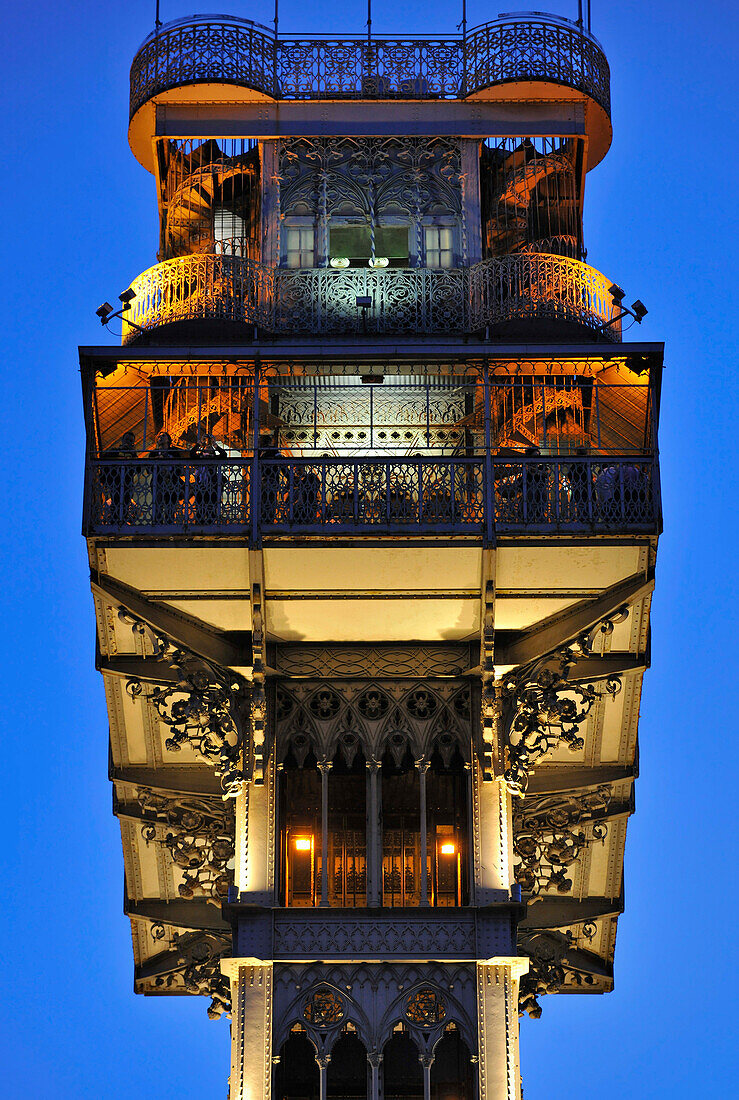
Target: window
229,231
299,245
354,243
439,242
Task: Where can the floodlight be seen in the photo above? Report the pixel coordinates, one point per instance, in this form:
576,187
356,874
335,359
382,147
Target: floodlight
616,293
127,297
640,310
104,311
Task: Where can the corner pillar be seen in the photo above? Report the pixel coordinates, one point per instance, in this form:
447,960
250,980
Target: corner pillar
497,1027
493,838
251,1028
255,839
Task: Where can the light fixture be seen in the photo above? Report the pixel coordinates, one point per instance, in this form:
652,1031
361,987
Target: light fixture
302,843
639,309
616,293
448,848
379,261
104,311
339,261
127,297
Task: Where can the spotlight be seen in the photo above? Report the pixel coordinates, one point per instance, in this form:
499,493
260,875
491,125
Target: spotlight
103,312
379,261
616,293
640,310
127,297
364,301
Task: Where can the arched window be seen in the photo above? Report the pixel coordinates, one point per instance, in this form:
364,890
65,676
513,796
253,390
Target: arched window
346,1075
296,1074
451,1069
401,1069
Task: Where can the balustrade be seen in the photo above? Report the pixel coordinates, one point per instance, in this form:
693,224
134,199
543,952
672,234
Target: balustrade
522,287
237,51
424,494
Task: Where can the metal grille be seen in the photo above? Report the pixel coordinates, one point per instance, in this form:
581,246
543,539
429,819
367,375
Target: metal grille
522,287
237,51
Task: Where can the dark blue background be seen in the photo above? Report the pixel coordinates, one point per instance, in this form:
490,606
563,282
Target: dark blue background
79,222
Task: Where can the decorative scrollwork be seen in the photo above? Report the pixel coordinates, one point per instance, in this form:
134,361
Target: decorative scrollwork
197,969
207,708
425,1008
550,834
324,1009
549,969
200,840
543,707
238,51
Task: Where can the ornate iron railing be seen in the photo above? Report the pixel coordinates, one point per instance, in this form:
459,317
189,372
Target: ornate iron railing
383,495
237,51
524,286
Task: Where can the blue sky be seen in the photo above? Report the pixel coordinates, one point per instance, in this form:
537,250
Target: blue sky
80,222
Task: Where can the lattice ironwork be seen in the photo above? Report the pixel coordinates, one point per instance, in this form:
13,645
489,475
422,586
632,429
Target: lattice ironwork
524,287
237,51
324,1009
425,1008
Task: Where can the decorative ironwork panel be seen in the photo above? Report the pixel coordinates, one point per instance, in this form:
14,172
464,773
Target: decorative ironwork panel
425,1008
237,51
373,661
575,493
192,495
199,835
191,965
524,287
443,494
324,935
324,1009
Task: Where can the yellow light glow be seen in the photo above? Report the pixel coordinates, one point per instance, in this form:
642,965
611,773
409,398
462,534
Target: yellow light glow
302,843
448,849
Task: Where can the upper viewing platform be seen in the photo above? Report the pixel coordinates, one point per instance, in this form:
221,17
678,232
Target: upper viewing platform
522,56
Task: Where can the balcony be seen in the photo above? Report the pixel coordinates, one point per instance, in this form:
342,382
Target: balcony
424,496
522,288
217,49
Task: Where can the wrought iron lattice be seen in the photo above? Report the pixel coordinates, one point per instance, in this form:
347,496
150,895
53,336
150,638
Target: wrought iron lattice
425,1008
199,838
324,1009
237,51
542,707
550,835
522,287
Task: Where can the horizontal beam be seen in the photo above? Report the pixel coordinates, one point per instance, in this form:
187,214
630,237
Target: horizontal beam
554,780
613,810
369,349
147,669
182,629
562,912
169,962
558,632
609,664
452,118
589,963
170,780
199,915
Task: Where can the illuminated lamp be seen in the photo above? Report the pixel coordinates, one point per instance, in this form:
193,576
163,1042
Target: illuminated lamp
339,261
302,843
448,848
379,261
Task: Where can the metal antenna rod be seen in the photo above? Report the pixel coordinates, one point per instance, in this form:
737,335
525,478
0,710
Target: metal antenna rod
588,14
579,13
157,20
369,23
276,19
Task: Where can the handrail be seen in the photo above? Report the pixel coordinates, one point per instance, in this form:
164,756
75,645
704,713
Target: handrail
237,51
427,494
520,287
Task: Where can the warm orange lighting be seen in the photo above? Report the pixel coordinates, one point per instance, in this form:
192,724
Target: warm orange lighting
302,843
448,849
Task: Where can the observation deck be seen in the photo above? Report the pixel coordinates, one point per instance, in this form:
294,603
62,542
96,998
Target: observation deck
218,59
529,289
